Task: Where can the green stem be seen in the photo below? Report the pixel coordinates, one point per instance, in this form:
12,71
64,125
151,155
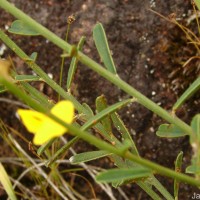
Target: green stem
133,92
96,67
39,71
63,61
118,82
61,74
88,125
38,96
98,142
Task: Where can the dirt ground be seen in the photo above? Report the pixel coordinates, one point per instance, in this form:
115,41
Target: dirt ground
148,51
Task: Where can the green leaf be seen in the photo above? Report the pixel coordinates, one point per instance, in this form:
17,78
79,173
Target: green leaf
194,168
120,126
194,87
178,165
27,78
121,163
195,137
5,181
197,2
195,124
101,43
88,110
33,56
169,131
73,64
114,175
93,121
21,28
101,104
88,156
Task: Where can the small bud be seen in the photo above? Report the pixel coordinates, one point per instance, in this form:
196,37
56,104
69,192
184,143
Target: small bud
71,19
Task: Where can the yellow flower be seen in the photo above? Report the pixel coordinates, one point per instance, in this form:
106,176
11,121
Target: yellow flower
43,127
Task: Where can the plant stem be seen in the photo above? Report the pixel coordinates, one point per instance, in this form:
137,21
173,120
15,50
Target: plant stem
63,61
96,67
133,92
39,71
99,69
98,142
61,74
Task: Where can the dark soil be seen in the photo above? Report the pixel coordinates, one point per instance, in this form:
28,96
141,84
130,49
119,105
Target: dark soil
149,53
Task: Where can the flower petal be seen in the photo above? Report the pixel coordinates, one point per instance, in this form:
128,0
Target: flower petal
49,129
31,119
64,110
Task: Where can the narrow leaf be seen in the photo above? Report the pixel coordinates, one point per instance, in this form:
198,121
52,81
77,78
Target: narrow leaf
5,181
21,28
169,131
101,104
194,87
89,115
88,156
33,56
114,175
178,165
121,163
120,126
194,168
88,110
101,43
73,64
195,124
27,78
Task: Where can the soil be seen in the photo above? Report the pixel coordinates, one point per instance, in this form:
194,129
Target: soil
149,53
